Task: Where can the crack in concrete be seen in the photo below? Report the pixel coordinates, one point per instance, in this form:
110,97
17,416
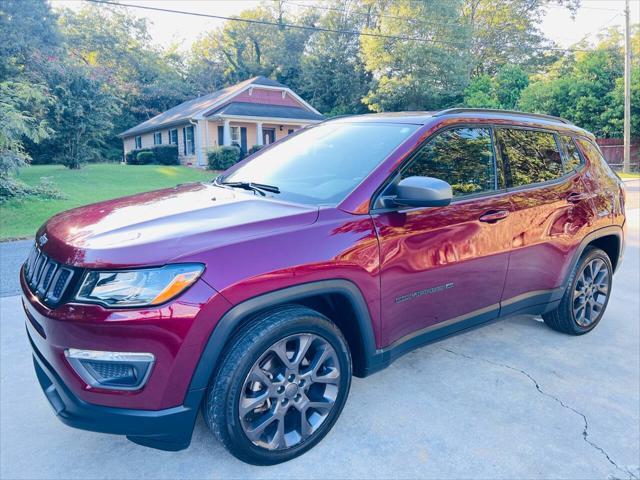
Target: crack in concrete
585,431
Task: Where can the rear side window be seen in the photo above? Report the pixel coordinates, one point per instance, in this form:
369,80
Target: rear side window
530,156
462,157
574,160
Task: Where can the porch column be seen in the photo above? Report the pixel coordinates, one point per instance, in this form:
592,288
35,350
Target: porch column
259,133
226,133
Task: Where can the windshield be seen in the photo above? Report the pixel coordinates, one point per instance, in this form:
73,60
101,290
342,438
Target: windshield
323,164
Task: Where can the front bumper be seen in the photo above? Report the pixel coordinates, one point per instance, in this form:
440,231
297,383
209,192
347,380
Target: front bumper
168,429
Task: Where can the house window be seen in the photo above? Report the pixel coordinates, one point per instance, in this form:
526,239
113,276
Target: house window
188,140
138,141
235,136
173,136
157,138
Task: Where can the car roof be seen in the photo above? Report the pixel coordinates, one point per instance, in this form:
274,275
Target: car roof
471,114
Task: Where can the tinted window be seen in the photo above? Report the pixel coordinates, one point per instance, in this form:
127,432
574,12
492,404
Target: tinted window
530,156
321,165
463,157
573,156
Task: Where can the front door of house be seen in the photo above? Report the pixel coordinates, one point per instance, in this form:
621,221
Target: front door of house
268,136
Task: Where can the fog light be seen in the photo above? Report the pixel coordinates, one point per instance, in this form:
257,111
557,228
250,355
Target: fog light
111,370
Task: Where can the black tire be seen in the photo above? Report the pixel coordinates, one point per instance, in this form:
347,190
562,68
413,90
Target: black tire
232,383
564,318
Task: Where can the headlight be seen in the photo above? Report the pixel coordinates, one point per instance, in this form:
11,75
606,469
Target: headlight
137,288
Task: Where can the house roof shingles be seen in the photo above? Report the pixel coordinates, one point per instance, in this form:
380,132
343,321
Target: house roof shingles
186,110
265,110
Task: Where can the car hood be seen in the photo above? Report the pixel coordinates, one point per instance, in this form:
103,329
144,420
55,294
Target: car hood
157,227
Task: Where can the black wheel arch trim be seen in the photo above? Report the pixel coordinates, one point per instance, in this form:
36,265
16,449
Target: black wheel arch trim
612,230
233,318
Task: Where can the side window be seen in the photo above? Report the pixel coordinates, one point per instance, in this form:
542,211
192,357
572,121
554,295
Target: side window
574,160
530,156
463,157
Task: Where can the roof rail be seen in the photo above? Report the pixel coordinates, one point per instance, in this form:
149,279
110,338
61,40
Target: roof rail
449,111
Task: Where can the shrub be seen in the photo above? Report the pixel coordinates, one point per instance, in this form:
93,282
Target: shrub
12,189
254,149
221,158
144,157
131,157
166,154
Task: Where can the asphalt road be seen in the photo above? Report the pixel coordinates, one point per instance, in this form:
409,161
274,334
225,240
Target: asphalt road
511,400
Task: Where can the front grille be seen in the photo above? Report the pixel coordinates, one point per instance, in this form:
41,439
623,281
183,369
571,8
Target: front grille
47,279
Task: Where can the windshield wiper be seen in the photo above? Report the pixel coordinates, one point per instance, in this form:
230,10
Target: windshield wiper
260,188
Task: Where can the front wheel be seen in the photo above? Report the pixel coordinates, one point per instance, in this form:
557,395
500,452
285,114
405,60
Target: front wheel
280,387
586,297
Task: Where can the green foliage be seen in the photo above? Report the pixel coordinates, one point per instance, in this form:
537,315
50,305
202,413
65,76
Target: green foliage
334,78
254,149
165,154
501,91
414,74
480,93
82,114
21,111
586,88
221,158
29,35
241,50
12,189
159,154
144,158
27,30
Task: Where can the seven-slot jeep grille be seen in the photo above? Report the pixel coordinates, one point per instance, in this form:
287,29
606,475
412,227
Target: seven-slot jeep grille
46,278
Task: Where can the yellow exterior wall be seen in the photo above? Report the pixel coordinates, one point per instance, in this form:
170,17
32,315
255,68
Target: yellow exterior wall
208,131
147,142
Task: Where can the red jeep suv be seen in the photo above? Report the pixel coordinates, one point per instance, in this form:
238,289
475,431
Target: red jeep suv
329,254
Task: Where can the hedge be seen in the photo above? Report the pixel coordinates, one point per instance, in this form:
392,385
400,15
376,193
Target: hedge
166,154
144,158
162,154
254,149
221,158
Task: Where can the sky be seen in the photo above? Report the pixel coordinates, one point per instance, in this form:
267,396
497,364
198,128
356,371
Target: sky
167,28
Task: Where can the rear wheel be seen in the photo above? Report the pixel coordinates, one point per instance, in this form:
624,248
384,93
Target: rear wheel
280,387
587,295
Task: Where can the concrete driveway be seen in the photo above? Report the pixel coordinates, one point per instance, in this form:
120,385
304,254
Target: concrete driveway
511,400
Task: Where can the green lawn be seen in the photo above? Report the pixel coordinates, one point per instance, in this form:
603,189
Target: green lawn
93,183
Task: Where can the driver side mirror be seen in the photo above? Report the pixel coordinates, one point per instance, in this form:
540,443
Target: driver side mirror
420,192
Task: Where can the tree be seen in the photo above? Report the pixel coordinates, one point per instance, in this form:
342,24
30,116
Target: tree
22,109
334,78
585,87
505,32
502,91
426,70
241,50
116,46
29,35
82,113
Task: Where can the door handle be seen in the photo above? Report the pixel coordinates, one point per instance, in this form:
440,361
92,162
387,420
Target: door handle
495,216
577,197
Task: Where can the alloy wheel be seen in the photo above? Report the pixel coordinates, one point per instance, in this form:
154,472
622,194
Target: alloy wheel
289,391
591,292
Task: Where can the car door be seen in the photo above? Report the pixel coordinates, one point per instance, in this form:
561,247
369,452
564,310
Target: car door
551,213
445,264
